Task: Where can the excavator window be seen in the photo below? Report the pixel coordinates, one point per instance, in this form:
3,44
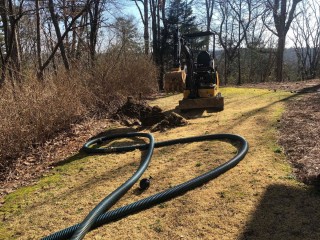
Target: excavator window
203,60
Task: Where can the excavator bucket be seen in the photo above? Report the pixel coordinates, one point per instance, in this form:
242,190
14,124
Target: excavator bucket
174,81
211,103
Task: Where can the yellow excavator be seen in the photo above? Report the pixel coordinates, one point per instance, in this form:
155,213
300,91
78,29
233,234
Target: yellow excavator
199,80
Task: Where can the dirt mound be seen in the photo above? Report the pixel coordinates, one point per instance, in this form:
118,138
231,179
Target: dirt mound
141,114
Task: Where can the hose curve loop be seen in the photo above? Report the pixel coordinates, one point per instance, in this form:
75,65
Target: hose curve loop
100,216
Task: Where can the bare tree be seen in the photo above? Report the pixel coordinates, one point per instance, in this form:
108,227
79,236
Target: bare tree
38,30
306,39
235,20
158,18
209,12
144,18
246,12
282,12
209,9
84,9
95,17
259,55
52,33
11,59
56,25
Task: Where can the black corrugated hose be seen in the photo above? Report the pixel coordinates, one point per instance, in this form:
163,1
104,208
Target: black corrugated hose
100,216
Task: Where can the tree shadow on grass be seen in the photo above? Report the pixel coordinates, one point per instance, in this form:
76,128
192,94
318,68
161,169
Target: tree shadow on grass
122,170
108,132
312,89
199,113
192,113
285,213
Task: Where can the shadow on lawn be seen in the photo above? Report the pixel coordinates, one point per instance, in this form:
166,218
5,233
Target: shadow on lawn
285,213
121,170
199,113
82,154
255,111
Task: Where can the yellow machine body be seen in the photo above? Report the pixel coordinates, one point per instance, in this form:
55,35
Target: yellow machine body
205,92
174,81
209,98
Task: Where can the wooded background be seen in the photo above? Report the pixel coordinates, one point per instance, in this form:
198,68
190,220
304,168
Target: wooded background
45,36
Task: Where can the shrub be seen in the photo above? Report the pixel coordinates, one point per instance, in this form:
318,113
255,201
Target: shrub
33,112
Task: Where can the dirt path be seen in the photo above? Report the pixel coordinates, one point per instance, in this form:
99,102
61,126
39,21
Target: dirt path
258,199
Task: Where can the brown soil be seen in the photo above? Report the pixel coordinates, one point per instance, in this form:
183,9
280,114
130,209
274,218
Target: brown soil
140,114
294,87
300,136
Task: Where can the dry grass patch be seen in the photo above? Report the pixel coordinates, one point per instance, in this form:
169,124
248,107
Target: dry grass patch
249,202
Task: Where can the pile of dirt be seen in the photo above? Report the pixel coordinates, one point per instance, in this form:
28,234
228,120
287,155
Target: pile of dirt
138,113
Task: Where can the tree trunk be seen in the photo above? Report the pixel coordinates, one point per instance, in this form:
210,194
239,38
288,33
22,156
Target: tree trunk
155,40
72,48
145,21
60,40
281,40
39,60
146,28
163,41
4,20
59,37
282,25
94,25
15,54
209,12
51,47
79,45
239,49
279,58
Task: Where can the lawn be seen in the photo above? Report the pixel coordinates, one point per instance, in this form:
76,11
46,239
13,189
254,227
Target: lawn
258,199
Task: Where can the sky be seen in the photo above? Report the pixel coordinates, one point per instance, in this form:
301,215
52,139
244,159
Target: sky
131,9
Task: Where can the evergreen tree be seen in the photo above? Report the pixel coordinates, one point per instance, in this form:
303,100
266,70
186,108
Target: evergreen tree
180,15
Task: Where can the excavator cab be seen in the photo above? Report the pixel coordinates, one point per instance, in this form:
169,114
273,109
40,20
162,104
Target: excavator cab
205,73
203,60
